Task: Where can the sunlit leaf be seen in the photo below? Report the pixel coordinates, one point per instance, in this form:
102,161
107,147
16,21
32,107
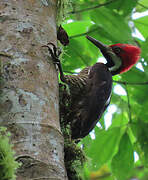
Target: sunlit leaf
123,161
113,23
123,7
142,25
77,27
143,138
103,147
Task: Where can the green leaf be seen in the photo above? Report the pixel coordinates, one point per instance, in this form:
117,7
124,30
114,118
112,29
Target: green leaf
142,137
77,55
113,23
134,75
123,161
123,7
142,24
144,50
74,56
142,6
120,119
103,147
77,27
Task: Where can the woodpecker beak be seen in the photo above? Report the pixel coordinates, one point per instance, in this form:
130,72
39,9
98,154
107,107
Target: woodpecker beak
103,48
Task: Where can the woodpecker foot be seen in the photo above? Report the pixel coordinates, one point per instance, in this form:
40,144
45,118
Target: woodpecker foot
54,52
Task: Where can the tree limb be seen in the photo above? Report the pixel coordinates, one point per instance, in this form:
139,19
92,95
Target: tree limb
91,8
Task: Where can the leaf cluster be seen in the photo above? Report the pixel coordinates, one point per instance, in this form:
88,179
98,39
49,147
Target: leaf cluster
111,148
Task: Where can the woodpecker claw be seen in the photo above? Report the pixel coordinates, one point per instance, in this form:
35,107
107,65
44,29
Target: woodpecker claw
54,52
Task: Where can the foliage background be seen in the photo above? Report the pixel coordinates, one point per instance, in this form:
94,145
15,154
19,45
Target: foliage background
112,149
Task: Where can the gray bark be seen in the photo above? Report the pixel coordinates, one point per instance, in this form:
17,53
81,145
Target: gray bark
29,105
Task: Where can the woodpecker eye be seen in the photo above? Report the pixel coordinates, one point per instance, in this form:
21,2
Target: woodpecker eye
116,49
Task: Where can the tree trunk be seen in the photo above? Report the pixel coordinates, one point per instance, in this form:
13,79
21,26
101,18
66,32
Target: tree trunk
29,105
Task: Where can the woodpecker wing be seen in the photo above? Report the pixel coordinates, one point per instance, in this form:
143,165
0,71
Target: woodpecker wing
94,101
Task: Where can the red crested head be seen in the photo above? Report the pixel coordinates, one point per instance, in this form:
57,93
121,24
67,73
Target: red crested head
120,57
129,55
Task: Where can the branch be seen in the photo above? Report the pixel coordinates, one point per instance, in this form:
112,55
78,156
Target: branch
91,8
131,83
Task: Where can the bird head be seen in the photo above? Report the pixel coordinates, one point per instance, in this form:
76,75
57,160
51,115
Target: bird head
120,57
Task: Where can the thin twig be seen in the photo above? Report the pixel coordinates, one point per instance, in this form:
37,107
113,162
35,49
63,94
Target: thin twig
83,34
142,5
90,8
141,23
131,83
119,82
128,103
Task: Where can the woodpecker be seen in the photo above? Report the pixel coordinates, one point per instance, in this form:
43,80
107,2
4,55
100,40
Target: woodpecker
91,89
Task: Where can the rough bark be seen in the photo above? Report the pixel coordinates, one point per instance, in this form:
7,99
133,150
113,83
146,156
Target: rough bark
29,105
